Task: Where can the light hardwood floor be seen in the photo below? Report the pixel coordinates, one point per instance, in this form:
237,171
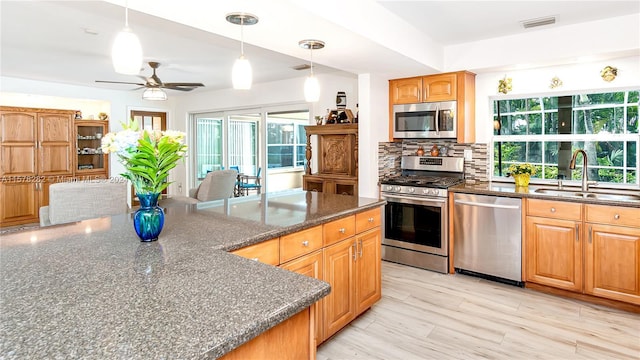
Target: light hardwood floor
427,315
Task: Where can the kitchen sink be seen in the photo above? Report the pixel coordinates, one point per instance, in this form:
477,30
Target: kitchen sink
588,195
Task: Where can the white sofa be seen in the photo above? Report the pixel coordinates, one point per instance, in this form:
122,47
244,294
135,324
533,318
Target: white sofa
80,200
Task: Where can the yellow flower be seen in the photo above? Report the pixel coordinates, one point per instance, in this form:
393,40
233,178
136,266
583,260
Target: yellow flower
523,168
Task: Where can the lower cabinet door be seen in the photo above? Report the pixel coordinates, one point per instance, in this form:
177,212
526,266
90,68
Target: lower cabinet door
612,262
554,253
310,265
368,270
339,305
20,203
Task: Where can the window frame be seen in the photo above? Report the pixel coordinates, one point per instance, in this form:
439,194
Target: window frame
545,138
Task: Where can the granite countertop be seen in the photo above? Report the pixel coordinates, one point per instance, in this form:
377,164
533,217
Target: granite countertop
92,290
510,190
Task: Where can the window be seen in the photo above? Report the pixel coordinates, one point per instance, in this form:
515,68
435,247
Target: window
286,139
545,131
243,142
208,145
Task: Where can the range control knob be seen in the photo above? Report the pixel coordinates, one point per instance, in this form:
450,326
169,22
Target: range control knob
425,191
397,188
411,190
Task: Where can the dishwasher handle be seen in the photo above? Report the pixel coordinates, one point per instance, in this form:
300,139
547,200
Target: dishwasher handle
496,206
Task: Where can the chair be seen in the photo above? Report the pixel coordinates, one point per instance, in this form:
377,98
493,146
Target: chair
81,200
219,184
248,183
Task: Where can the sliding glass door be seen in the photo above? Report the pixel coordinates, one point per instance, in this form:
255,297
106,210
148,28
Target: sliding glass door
270,140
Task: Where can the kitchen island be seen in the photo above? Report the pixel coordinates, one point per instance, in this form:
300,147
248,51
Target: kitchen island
92,290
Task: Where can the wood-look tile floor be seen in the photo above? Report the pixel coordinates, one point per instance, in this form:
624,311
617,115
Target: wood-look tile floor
427,315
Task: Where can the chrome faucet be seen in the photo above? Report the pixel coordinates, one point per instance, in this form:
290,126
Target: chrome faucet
572,166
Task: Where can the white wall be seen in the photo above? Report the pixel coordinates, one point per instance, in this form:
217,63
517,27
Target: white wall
90,100
284,92
575,77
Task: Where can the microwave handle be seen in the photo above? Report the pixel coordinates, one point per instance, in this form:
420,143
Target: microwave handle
437,115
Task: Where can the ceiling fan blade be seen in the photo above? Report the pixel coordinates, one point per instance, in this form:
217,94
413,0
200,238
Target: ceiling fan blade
183,84
119,82
179,88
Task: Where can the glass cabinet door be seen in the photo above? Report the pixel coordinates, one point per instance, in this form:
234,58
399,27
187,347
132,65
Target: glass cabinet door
89,159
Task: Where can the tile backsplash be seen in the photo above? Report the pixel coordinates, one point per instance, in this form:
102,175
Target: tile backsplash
475,170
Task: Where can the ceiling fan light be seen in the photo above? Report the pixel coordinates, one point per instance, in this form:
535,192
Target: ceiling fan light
242,74
155,94
126,53
311,89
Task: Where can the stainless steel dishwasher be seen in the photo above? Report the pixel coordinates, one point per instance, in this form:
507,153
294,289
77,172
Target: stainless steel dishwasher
488,237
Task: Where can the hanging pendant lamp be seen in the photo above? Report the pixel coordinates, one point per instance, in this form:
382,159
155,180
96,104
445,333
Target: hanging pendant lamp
311,84
242,74
126,51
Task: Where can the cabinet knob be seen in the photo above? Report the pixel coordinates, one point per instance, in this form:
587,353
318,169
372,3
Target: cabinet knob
370,220
342,230
616,216
305,243
553,209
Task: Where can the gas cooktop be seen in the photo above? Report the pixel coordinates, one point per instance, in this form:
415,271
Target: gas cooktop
441,182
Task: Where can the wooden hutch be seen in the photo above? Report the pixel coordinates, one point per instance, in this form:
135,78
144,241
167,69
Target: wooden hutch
337,160
39,147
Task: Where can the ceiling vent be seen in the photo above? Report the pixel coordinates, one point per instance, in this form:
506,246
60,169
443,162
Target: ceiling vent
539,22
301,67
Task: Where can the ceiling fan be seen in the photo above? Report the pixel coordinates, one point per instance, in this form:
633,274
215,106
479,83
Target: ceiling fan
154,81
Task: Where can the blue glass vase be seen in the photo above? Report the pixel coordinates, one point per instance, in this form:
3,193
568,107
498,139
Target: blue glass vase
148,220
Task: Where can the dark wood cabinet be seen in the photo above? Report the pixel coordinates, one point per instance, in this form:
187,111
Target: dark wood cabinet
337,156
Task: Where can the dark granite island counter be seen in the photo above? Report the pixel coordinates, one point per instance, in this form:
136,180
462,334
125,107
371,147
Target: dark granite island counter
92,290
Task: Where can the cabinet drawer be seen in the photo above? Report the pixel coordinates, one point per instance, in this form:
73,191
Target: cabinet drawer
300,243
367,220
614,215
266,252
554,209
339,230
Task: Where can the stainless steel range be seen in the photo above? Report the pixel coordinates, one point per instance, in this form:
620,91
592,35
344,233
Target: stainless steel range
416,225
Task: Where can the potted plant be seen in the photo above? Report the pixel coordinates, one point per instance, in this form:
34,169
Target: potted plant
521,173
147,156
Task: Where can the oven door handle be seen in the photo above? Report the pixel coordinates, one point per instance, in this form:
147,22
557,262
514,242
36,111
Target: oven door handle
413,200
462,202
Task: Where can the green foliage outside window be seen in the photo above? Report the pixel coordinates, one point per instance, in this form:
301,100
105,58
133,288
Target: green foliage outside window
545,131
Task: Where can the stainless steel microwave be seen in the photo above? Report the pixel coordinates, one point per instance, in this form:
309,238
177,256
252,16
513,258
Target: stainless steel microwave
436,120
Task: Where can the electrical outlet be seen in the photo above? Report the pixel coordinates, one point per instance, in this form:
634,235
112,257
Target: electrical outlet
179,188
468,155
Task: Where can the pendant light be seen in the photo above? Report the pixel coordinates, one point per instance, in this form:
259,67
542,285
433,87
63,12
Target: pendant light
311,84
154,94
126,52
242,74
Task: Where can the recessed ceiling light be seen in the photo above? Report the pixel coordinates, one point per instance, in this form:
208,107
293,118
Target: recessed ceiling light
538,22
301,67
90,31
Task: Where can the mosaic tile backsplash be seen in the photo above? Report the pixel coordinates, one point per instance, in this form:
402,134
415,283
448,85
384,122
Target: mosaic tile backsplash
475,170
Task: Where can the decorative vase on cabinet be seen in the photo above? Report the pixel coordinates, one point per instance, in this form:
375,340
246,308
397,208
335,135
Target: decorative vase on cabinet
148,220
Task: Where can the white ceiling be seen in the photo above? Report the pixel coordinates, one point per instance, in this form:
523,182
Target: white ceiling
70,41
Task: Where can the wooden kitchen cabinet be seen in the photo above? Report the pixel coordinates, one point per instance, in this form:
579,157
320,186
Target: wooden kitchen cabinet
352,267
456,86
554,244
36,149
90,161
310,265
406,91
345,252
267,252
368,270
612,253
554,253
584,248
339,271
442,87
337,156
